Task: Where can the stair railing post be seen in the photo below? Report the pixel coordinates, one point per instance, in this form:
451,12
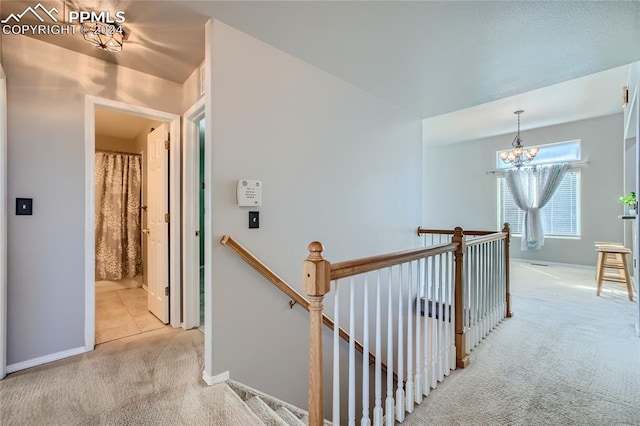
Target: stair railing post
462,359
316,272
506,229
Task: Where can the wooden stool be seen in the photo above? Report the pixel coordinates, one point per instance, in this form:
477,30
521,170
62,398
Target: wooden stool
609,257
613,257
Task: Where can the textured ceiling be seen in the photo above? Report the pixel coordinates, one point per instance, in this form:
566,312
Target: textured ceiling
449,62
435,57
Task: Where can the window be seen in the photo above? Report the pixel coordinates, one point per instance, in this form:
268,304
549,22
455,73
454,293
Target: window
561,215
551,153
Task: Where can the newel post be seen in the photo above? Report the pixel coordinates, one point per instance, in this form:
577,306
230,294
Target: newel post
462,359
507,230
315,277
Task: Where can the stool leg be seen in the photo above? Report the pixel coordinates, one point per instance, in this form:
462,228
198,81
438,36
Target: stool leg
627,279
600,272
600,258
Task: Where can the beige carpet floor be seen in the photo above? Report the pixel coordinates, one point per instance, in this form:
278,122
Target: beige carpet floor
567,357
148,379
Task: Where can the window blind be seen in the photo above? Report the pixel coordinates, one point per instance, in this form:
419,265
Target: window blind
560,216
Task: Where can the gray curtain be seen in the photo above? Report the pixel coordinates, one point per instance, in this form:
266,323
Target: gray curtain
531,189
117,189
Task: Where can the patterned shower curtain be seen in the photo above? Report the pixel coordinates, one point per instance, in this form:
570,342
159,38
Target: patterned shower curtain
118,241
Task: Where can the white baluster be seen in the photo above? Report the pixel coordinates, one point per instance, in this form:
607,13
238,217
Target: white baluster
418,379
440,322
365,421
472,295
501,280
426,386
336,355
452,304
409,387
352,356
389,415
400,388
377,410
446,318
494,278
494,283
484,291
433,372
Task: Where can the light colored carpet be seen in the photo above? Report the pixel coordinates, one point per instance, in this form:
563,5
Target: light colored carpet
567,357
149,379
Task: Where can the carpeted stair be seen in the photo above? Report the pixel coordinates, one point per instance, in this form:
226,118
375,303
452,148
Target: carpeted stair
271,411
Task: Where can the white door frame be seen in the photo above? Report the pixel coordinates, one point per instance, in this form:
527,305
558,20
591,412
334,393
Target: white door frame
91,102
191,212
3,223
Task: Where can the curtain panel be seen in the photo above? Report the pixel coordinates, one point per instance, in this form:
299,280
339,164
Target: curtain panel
118,179
531,189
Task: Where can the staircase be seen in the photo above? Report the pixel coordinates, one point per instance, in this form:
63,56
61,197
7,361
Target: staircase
245,405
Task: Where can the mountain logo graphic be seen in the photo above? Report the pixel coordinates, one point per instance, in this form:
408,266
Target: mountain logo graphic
34,11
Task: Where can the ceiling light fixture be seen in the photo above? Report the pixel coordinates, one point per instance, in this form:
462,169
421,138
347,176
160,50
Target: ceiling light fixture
105,36
518,155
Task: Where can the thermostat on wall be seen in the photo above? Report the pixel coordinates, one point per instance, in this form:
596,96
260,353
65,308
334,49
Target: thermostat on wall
249,193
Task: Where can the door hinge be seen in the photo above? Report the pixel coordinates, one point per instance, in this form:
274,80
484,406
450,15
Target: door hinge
167,218
167,144
166,291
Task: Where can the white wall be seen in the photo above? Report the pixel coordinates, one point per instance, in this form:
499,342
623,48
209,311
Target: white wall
191,88
459,192
46,87
337,165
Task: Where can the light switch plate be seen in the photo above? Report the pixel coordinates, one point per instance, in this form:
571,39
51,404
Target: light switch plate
254,220
24,206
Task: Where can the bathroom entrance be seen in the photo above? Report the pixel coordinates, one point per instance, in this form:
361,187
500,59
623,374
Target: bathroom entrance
133,220
131,230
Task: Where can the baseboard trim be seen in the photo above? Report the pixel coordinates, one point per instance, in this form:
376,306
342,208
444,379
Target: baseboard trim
573,265
214,380
45,359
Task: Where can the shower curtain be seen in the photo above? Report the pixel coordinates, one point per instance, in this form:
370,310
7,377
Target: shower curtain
117,190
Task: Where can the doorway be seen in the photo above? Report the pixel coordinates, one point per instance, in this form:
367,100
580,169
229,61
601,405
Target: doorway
196,258
131,192
170,215
201,196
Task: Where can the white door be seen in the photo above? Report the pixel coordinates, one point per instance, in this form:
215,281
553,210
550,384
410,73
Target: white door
157,223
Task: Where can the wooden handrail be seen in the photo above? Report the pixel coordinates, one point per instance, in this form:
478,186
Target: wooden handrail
273,278
485,239
367,264
264,270
422,231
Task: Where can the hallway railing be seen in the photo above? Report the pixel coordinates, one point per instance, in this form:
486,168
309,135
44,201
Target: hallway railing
421,310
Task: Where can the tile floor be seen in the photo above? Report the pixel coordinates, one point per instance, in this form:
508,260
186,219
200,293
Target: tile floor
122,313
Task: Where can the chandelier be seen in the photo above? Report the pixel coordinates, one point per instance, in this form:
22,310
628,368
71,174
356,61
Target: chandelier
518,155
103,35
